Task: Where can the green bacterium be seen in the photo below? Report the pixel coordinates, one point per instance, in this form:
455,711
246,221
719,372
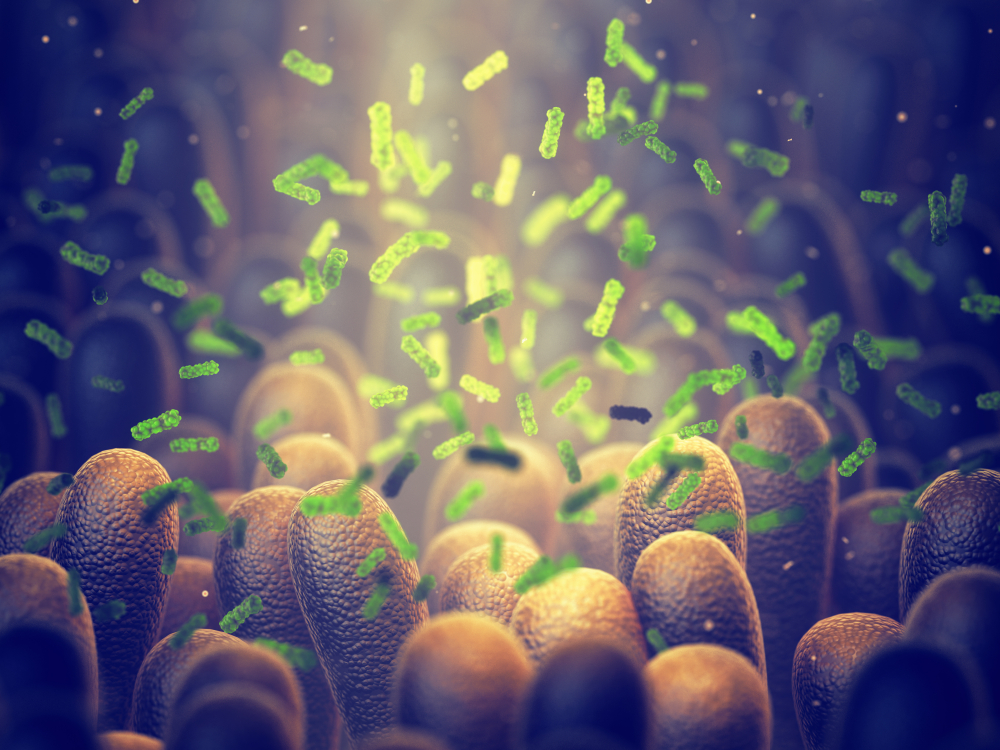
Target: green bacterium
464,500
604,212
751,156
655,639
54,412
99,295
127,163
77,256
701,428
345,502
921,280
753,322
184,633
527,412
205,306
300,658
496,553
251,348
691,90
380,118
424,587
544,219
268,456
617,351
415,95
71,172
211,367
396,535
451,403
168,564
145,95
38,331
589,197
235,617
400,211
495,63
59,483
635,62
822,332
174,287
911,396
850,464
796,281
779,463
660,100
544,570
741,427
722,381
270,424
847,369
912,221
374,604
613,42
813,464
829,410
495,301
204,191
333,268
979,304
760,218
939,217
550,136
956,200
44,537
874,196
478,388
483,191
775,385
191,445
495,351
908,349
578,502
712,185
390,396
595,108
582,385
642,130
683,322
988,401
661,149
448,447
677,498
307,357
319,73
108,384
569,462
369,564
110,611
605,314
864,342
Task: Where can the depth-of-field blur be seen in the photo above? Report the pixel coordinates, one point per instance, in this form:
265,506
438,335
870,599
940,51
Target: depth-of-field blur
461,374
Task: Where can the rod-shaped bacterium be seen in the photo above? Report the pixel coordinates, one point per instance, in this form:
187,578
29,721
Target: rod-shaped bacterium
910,395
174,287
569,462
939,217
204,191
712,185
145,95
875,196
642,130
478,388
563,405
527,412
850,464
107,384
319,73
700,428
822,332
38,331
956,200
232,620
864,342
903,264
550,136
127,163
369,564
469,313
403,468
211,367
779,463
483,72
605,313
595,108
613,42
796,281
464,500
988,401
421,356
586,200
270,424
448,447
270,458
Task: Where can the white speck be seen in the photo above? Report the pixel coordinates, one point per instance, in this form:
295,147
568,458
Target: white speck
813,657
98,111
739,232
58,141
452,122
954,453
812,253
325,434
709,625
303,28
788,565
243,132
815,703
45,39
694,42
156,307
204,593
661,54
72,20
753,15
98,53
193,139
955,409
644,305
760,91
849,555
533,195
845,540
789,140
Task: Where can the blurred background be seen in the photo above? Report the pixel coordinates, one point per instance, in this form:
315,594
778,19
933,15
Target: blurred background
906,94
